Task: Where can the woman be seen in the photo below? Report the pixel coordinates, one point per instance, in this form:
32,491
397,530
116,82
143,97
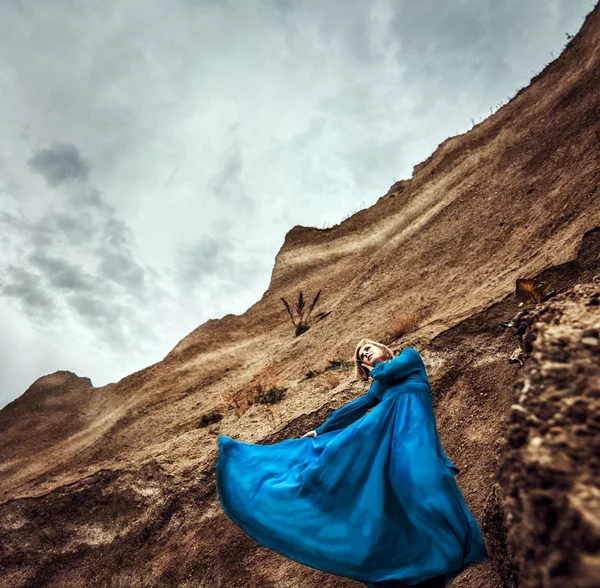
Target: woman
365,496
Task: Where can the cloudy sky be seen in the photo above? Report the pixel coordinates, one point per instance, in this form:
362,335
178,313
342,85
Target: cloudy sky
154,154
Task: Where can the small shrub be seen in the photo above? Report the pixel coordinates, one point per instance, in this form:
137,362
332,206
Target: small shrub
259,391
309,374
302,322
331,378
530,291
401,326
209,418
334,365
263,395
339,364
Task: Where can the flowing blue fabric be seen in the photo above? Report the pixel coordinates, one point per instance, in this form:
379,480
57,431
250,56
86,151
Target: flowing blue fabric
372,497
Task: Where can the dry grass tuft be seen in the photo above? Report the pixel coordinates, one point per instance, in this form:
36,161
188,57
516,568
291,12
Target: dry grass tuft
208,418
334,365
331,379
309,374
260,391
401,326
339,364
302,322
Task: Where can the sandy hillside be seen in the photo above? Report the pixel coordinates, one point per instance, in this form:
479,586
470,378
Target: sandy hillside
114,486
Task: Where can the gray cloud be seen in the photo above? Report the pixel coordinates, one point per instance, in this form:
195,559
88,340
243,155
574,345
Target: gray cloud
230,174
10,221
461,50
115,234
206,258
75,230
227,185
75,226
212,260
60,163
355,36
103,316
93,199
94,310
28,290
60,274
116,260
120,267
77,256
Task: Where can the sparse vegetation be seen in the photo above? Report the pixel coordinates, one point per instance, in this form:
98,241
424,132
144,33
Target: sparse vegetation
259,391
354,211
302,322
330,375
339,364
208,419
334,364
331,378
532,291
309,374
262,395
401,326
326,226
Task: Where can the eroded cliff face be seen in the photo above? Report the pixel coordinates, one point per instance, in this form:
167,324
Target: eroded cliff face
115,485
550,466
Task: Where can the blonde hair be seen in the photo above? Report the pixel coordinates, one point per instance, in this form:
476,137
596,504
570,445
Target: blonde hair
361,372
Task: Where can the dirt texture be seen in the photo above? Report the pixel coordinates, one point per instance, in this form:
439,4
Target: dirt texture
550,465
115,485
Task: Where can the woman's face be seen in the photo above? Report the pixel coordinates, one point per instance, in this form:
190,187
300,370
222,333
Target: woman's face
371,354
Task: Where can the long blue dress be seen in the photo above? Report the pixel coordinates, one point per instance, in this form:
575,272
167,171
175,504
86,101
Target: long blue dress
372,497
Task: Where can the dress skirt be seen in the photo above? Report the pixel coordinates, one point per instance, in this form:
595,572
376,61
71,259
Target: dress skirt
374,500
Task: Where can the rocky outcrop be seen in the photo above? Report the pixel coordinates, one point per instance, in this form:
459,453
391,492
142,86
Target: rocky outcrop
550,465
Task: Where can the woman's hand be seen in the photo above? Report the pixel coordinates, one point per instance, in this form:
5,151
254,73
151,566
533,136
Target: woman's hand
310,434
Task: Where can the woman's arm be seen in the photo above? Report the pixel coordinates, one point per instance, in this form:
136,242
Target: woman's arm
399,367
347,414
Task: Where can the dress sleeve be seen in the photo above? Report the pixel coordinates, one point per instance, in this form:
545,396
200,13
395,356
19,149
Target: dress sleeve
347,414
399,367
